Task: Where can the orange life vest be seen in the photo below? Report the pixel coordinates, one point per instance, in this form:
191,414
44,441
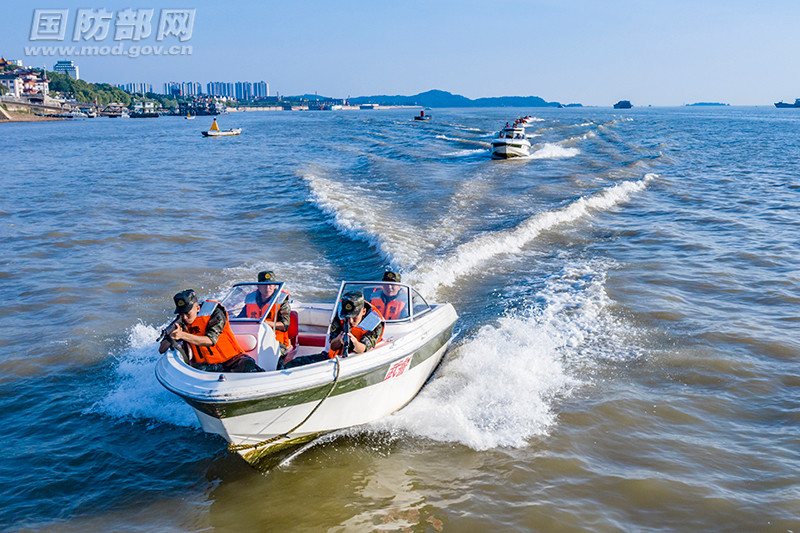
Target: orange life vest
391,310
226,346
253,310
367,324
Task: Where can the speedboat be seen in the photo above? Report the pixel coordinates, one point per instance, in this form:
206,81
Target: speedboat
189,117
214,131
264,415
511,141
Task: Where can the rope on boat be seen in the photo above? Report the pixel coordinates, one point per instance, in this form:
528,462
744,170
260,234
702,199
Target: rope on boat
239,447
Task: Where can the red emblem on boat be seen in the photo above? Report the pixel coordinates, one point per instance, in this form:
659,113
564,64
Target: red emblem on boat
398,368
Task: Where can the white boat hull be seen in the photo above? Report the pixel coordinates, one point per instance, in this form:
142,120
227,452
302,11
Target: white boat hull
508,148
222,133
263,413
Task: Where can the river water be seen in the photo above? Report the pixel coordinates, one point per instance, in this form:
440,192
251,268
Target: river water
626,357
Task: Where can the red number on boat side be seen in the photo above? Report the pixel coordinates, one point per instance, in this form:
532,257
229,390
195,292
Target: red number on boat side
398,368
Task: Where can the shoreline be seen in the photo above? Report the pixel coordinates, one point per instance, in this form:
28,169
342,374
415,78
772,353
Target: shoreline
22,116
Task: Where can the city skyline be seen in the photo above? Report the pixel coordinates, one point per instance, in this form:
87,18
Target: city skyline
570,51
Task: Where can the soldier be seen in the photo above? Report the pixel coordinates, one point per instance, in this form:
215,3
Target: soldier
205,329
390,300
365,326
255,305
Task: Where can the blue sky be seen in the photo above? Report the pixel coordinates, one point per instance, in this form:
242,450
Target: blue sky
588,51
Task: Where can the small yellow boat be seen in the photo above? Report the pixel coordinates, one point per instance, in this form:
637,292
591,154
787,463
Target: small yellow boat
214,131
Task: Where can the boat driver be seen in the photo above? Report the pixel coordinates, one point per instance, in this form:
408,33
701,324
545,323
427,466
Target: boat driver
390,300
365,330
255,305
205,329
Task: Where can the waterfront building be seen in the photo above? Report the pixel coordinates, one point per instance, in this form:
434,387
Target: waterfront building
26,82
200,105
172,88
13,83
261,89
134,88
67,67
36,83
243,90
240,90
191,88
219,88
144,107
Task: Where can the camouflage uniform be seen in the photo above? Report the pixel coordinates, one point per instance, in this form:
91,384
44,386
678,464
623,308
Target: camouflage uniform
369,339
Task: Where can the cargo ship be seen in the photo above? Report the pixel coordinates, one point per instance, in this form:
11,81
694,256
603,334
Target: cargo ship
784,104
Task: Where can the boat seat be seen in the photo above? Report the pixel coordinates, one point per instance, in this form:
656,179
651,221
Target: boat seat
293,328
247,342
310,339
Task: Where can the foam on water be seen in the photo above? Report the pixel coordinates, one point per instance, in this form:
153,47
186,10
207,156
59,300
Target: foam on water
136,393
465,141
500,386
433,275
553,151
577,138
366,220
463,153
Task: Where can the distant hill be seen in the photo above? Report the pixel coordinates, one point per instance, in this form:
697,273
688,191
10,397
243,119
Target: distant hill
706,104
309,97
437,98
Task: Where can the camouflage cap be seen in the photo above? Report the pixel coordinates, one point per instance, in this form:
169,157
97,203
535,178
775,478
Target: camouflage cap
391,276
266,275
184,301
352,304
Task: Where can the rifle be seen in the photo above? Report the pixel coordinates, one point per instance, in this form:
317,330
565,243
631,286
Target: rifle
173,345
346,337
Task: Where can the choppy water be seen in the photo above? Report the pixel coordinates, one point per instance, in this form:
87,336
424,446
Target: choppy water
626,358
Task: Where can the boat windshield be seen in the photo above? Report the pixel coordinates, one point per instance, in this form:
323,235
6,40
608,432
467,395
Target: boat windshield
253,301
391,299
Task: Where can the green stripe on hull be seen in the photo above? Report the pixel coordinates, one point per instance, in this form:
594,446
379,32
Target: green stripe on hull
377,375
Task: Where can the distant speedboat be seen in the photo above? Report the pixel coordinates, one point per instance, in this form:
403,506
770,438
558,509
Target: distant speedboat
189,117
511,141
214,131
783,104
623,104
422,116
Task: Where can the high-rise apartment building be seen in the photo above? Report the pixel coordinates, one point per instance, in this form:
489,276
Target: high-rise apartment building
67,67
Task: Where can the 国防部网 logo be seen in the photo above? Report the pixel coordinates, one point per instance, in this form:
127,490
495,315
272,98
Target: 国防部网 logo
104,32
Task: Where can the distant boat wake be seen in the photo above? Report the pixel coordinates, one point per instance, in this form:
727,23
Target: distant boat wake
406,248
